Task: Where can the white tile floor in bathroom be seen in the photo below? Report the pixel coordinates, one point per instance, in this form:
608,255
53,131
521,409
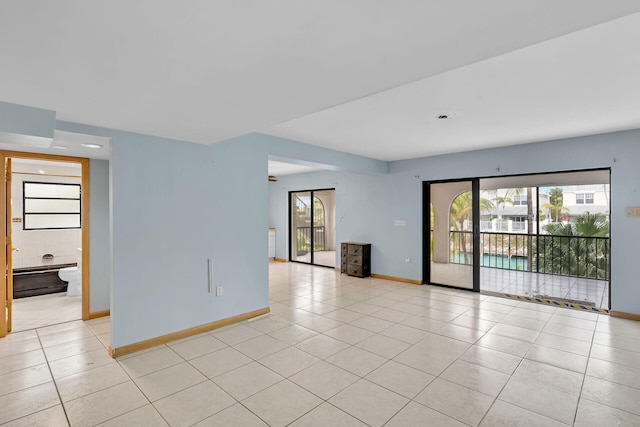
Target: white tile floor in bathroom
339,351
44,310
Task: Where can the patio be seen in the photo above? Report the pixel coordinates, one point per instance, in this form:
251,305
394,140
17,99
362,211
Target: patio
578,290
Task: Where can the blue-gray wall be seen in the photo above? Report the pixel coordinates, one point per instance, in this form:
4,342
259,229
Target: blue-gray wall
99,234
359,201
174,204
398,195
20,124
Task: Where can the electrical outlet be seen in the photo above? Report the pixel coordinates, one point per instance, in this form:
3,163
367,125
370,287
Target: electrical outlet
407,259
218,291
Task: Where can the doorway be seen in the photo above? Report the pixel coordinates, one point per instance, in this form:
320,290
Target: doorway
546,238
452,208
539,237
312,227
46,217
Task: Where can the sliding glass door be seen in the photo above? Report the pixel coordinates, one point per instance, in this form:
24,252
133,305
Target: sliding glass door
451,221
312,227
543,237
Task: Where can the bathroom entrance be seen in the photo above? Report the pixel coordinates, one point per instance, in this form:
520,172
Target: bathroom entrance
45,213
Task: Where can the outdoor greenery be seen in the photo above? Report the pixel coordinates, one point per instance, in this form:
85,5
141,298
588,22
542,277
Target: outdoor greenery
303,237
576,248
460,220
556,205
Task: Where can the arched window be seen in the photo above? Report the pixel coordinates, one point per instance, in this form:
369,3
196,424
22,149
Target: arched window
461,227
461,212
318,212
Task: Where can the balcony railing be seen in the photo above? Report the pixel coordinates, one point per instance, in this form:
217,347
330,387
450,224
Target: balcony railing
303,237
576,256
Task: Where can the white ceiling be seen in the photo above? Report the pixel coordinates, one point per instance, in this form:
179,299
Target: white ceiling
361,76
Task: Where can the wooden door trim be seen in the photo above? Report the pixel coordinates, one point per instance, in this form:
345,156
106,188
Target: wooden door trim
9,242
84,209
3,253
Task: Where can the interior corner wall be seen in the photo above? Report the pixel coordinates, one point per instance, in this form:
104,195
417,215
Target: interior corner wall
174,206
100,252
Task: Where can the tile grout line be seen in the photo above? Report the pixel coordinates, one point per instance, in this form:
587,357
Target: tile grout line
511,376
145,396
584,377
409,400
53,379
330,363
188,361
359,299
88,394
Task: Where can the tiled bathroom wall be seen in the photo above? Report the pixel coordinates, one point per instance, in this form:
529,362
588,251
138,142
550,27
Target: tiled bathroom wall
33,244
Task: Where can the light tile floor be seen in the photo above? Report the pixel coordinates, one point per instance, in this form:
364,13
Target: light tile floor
324,258
341,351
45,310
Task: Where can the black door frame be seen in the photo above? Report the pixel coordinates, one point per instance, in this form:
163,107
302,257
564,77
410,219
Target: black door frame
312,237
426,230
426,220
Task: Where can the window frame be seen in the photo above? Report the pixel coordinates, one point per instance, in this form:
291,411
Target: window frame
519,200
585,198
25,213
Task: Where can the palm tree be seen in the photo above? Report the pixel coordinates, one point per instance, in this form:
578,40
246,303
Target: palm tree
556,206
576,249
592,225
461,213
502,201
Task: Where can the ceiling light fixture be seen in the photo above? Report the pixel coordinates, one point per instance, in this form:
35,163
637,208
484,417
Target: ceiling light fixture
59,147
92,145
41,172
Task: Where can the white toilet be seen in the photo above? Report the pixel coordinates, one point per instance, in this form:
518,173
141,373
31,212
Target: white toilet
71,275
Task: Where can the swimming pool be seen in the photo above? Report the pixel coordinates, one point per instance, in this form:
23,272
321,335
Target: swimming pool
496,261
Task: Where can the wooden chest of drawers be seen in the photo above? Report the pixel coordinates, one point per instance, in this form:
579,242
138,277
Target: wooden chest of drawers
355,259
